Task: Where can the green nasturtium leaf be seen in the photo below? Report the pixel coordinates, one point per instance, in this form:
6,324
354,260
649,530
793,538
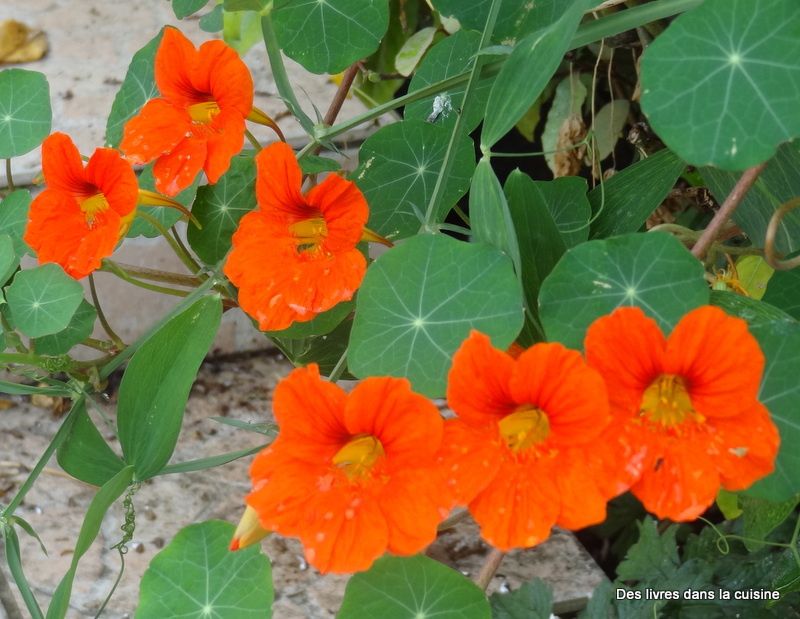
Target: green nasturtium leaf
783,291
398,168
184,8
322,324
43,300
314,164
244,5
516,86
450,56
421,299
25,113
566,201
533,600
778,183
720,86
629,197
85,454
14,218
412,588
79,328
762,517
329,36
138,86
167,216
490,219
197,577
653,271
413,50
219,208
324,350
8,258
213,20
156,384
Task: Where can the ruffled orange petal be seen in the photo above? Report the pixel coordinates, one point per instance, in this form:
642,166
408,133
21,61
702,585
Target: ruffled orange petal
720,359
744,447
627,348
225,139
278,183
573,395
154,131
582,501
311,414
519,508
62,165
478,383
618,455
344,209
469,459
176,170
680,481
220,72
115,178
175,64
407,424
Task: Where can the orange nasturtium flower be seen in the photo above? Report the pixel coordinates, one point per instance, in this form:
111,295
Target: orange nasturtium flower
295,255
83,212
198,122
521,452
687,403
351,475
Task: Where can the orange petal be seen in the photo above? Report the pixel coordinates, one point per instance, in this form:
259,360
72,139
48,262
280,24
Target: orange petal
310,412
619,455
155,131
176,170
407,424
681,482
720,359
579,486
62,165
573,395
175,63
115,178
519,508
224,141
469,459
220,72
344,209
478,383
627,348
278,182
744,447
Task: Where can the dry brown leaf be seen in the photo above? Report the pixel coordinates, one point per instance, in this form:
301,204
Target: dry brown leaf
567,158
18,43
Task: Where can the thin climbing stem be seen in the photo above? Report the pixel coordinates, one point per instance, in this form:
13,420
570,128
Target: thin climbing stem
489,567
9,178
155,275
339,368
102,317
183,256
115,269
731,203
771,254
196,265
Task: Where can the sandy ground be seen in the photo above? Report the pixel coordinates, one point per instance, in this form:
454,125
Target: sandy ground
238,389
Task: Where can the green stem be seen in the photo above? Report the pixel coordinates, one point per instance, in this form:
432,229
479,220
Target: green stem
20,358
252,139
55,443
177,237
339,368
155,275
102,317
456,132
184,257
119,272
9,178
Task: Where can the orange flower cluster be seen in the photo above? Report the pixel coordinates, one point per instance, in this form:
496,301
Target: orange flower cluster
541,438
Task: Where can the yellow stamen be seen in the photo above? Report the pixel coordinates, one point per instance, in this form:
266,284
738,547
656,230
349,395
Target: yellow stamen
309,233
93,205
524,428
249,531
261,118
204,112
358,456
373,237
667,402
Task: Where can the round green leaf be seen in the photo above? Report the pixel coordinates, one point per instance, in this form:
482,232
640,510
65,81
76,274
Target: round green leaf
184,8
653,271
398,168
25,113
412,588
420,300
78,329
8,258
14,218
167,216
450,56
322,324
43,300
327,36
721,85
197,577
219,208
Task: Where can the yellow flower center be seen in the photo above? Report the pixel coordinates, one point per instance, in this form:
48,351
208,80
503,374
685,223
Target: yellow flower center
524,428
204,112
667,402
359,455
309,233
93,205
